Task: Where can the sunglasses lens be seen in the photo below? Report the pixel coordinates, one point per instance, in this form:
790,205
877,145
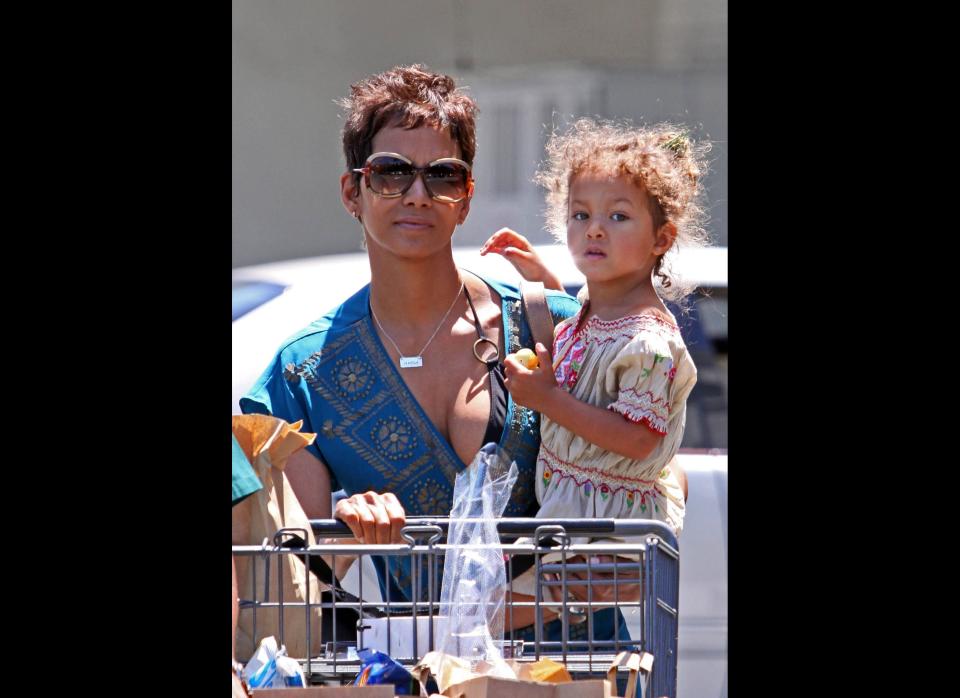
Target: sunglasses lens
447,181
390,175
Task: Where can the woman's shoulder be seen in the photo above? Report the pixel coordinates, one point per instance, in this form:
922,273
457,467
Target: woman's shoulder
317,334
561,304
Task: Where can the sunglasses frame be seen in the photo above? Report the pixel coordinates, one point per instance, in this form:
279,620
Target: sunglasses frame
417,172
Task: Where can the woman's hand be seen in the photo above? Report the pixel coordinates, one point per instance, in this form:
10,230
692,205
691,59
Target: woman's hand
517,250
372,517
530,388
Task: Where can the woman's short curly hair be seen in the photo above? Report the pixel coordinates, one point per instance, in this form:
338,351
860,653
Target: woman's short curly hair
661,159
408,97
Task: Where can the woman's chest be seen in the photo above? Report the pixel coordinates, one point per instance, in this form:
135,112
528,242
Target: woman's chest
455,397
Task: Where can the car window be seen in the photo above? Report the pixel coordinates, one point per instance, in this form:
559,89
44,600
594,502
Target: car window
248,295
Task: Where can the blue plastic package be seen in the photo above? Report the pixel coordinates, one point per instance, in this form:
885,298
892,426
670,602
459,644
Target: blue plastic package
379,668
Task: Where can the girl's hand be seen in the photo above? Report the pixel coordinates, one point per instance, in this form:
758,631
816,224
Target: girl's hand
372,517
530,388
517,250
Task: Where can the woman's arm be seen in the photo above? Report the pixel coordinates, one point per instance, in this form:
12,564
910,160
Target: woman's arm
538,390
371,517
310,481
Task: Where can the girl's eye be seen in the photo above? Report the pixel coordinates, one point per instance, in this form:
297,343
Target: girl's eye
580,216
619,217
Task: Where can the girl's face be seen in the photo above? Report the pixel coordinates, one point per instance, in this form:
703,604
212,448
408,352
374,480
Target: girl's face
610,232
413,225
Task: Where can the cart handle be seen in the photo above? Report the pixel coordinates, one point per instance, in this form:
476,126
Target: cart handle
526,526
409,534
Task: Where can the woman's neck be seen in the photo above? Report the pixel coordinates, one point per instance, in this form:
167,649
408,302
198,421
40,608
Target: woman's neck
412,291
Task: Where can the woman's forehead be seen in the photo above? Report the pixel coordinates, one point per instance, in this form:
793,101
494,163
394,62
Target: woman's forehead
422,144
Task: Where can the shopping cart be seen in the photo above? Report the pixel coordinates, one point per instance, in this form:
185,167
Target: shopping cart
405,626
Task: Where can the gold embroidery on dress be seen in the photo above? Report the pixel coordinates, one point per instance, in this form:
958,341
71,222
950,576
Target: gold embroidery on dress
394,438
352,377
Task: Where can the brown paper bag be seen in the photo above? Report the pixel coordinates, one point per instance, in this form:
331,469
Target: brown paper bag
268,442
635,662
325,692
496,687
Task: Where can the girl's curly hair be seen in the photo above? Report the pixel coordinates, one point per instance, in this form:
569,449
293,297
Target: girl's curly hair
662,159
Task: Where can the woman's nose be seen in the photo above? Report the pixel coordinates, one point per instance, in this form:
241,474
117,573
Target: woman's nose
417,193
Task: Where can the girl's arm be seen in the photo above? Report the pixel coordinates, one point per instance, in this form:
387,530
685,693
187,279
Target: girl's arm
517,250
538,390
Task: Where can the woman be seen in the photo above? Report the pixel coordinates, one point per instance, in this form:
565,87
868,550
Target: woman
402,383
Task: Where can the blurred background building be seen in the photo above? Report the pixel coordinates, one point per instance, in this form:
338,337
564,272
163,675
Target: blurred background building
531,64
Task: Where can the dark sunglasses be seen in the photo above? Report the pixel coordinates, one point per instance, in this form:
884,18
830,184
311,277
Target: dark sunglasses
390,175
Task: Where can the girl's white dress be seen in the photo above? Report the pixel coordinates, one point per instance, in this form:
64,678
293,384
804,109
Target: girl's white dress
639,367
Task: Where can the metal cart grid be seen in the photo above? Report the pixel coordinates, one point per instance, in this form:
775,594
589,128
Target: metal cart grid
656,564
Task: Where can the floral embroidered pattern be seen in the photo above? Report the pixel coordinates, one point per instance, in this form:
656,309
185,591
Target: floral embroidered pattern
597,331
568,370
547,473
394,438
352,378
560,468
432,498
657,358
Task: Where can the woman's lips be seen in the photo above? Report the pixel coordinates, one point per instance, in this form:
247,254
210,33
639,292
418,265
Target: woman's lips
594,254
413,223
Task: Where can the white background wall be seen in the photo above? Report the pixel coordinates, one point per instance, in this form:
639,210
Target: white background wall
639,59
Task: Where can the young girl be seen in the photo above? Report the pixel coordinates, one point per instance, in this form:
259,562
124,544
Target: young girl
613,407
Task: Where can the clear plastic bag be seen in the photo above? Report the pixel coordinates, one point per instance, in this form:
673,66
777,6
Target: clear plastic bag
474,579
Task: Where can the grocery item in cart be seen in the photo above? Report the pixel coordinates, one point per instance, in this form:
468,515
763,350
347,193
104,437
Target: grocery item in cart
379,668
270,667
545,678
474,579
394,634
268,442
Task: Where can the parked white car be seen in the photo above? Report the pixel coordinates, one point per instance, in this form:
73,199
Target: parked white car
272,301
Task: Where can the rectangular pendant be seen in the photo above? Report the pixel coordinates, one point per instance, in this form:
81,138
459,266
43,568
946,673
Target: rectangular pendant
411,361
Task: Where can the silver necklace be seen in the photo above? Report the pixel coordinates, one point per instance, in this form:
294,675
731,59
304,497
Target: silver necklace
417,360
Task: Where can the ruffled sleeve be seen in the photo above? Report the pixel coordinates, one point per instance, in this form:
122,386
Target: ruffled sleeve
641,376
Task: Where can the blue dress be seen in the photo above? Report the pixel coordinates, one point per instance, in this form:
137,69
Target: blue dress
372,434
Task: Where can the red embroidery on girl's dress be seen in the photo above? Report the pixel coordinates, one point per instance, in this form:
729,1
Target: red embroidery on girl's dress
599,331
643,408
568,370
